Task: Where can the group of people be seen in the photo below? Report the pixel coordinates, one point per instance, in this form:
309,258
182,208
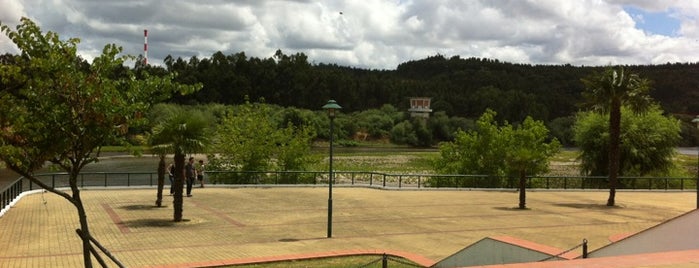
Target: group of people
192,171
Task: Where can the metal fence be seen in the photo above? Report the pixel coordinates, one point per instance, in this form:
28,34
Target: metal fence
10,192
356,178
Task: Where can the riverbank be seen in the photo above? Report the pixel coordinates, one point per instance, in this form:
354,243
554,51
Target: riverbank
379,159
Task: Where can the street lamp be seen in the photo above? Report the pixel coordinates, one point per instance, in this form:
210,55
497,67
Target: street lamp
331,107
696,120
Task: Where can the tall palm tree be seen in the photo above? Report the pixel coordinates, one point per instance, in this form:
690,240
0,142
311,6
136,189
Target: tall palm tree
607,91
181,134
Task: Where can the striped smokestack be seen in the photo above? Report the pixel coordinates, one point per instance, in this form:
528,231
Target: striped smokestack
145,47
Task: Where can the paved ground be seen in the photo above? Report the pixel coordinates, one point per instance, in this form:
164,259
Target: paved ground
233,225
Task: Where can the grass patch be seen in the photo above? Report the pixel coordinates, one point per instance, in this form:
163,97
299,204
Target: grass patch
395,159
569,155
686,164
382,161
124,149
346,261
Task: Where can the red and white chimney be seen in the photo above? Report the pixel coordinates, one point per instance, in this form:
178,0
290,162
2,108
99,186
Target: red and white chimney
145,47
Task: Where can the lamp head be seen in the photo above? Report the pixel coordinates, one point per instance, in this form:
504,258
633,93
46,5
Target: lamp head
696,120
331,107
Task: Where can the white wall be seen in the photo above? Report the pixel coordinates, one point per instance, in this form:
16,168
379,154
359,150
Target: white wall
680,233
490,251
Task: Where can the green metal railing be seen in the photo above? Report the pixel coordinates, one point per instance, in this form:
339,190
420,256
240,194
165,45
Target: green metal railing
358,178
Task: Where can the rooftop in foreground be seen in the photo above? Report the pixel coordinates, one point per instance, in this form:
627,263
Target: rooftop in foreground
234,225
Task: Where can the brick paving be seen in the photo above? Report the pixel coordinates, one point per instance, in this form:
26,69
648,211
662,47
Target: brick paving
245,225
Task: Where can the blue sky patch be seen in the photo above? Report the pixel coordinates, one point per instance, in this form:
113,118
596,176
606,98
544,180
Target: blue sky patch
661,23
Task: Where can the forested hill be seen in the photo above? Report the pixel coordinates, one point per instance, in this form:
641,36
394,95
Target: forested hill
460,87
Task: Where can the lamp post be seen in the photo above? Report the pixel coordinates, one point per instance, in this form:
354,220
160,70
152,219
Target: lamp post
331,107
696,120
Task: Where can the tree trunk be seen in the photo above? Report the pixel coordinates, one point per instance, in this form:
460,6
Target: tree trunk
522,189
161,181
614,140
179,185
77,202
85,229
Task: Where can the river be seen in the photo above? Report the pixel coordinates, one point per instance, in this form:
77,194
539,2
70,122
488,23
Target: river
113,163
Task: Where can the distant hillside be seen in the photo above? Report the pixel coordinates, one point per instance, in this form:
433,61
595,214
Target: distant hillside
460,87
558,87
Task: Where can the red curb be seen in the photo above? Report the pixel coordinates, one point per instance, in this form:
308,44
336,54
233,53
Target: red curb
617,237
219,214
116,219
418,259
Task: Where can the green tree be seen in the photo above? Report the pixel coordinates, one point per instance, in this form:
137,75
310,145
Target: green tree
495,150
378,122
606,92
181,134
245,140
161,112
249,140
440,127
528,152
404,133
648,142
478,151
422,131
562,129
58,108
415,132
293,153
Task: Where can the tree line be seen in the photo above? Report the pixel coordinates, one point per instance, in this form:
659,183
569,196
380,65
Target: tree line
459,87
462,87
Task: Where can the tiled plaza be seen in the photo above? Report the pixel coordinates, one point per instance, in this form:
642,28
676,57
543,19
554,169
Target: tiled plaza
234,225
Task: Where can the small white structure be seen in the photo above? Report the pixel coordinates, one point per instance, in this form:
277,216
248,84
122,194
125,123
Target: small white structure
420,107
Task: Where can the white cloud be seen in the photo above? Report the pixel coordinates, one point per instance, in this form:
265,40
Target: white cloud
373,33
10,14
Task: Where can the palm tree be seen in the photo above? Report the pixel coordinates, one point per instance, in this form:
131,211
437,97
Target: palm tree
607,91
181,134
527,152
161,150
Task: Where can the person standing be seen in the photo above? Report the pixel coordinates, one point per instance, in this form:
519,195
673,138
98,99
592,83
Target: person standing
190,173
171,175
200,173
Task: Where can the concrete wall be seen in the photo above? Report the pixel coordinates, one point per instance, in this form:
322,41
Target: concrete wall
490,251
680,233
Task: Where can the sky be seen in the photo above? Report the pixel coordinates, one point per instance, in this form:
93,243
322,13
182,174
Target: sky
377,34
